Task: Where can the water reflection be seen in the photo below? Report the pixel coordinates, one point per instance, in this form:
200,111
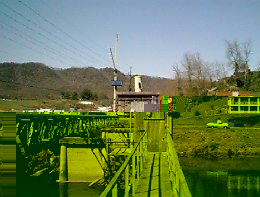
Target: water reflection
44,188
223,183
78,190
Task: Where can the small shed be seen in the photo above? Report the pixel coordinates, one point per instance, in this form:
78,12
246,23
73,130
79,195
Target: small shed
138,101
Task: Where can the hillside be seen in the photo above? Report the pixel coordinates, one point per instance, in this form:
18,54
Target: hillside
37,81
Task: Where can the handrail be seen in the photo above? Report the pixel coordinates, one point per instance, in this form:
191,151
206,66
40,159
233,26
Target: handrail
48,126
112,185
179,184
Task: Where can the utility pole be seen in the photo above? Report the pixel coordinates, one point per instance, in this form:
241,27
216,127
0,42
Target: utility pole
115,79
115,64
130,77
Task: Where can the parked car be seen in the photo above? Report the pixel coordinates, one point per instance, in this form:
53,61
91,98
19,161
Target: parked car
218,125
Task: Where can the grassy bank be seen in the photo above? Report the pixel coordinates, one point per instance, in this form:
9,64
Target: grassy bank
217,144
199,164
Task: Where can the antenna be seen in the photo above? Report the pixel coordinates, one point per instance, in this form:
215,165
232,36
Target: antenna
116,50
115,82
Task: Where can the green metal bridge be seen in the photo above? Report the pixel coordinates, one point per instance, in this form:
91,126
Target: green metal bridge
150,167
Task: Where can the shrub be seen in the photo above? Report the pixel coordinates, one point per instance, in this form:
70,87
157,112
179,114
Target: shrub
197,113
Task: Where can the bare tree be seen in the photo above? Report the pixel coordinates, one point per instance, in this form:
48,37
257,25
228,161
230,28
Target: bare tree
247,50
257,66
187,64
219,70
196,72
238,55
233,53
178,78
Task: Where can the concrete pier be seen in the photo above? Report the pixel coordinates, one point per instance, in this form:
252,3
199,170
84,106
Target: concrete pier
63,164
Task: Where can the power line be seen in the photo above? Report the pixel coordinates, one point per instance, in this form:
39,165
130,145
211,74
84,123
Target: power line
50,33
39,33
34,41
8,53
60,29
56,11
28,47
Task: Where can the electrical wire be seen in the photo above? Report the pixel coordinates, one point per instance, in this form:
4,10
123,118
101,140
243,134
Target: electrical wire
75,51
35,41
28,47
60,29
39,33
11,54
63,16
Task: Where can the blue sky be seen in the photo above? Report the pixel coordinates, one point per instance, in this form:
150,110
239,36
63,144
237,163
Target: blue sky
153,34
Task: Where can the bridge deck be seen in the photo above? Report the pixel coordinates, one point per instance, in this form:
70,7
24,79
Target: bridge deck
154,180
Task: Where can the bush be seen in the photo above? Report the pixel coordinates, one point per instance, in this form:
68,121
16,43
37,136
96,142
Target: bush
197,113
176,114
87,94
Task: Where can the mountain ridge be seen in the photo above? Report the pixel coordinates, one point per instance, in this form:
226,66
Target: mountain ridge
34,80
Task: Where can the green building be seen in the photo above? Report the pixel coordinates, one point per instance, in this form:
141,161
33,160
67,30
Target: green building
244,104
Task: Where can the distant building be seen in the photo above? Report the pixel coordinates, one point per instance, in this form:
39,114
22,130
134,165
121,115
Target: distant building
30,110
44,110
86,102
234,93
244,104
104,109
138,100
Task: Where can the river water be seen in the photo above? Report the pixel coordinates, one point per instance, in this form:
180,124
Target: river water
223,183
213,182
43,188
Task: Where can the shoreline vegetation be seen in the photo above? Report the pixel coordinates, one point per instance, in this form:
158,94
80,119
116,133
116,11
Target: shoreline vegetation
232,149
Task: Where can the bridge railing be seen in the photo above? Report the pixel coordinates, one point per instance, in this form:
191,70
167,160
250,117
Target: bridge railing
35,127
130,169
179,184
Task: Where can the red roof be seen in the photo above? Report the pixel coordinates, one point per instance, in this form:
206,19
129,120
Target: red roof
230,94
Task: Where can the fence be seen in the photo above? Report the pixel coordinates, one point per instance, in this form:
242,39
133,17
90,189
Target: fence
135,161
179,184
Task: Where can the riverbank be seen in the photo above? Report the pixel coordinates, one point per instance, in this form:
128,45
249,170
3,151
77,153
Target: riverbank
217,144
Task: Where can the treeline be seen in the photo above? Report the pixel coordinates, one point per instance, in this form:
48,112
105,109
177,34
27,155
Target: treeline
86,94
195,76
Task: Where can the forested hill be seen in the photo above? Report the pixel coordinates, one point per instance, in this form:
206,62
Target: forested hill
36,81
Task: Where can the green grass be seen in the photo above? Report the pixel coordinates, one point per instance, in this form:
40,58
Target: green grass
190,118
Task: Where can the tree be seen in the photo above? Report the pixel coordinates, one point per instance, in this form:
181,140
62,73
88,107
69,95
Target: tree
257,66
233,53
197,73
87,94
188,69
65,95
238,55
178,78
74,96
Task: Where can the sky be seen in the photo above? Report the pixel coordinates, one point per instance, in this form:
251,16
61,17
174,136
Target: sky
154,35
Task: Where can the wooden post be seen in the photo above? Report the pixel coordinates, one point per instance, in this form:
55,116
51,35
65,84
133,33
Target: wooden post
114,191
63,189
126,181
228,182
63,164
238,182
133,175
248,183
257,183
142,155
138,163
